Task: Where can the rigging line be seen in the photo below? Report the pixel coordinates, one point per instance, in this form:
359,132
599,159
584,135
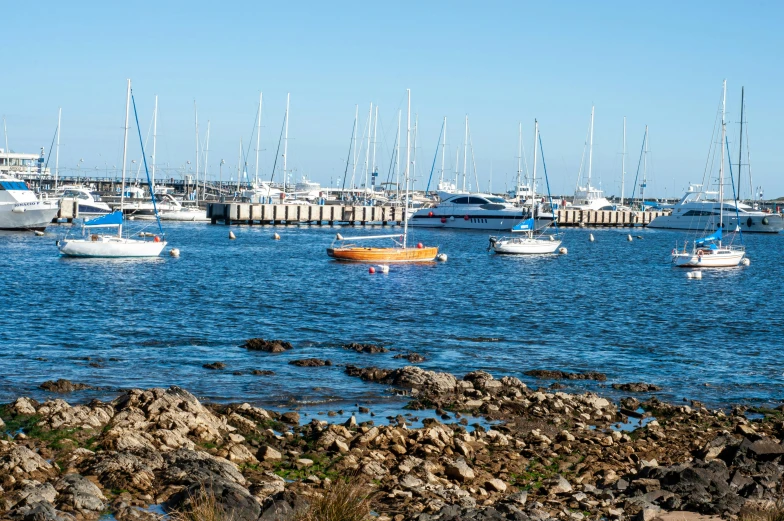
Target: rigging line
711,150
46,165
144,157
547,182
732,180
634,188
345,172
391,162
582,161
277,152
435,157
139,170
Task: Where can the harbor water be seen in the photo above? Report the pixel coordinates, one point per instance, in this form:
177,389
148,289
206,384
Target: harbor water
612,306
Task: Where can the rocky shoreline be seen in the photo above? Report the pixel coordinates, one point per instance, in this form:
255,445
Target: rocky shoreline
542,454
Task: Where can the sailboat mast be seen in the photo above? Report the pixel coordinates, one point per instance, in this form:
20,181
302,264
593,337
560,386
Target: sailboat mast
125,151
196,116
397,156
644,171
57,154
519,158
258,141
154,138
443,152
206,164
414,161
740,146
375,136
623,162
367,149
408,158
533,175
465,153
354,155
286,141
239,166
590,152
721,164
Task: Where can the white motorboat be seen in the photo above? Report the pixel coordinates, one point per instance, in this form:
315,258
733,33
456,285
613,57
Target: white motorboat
114,245
90,204
169,209
20,209
710,251
532,240
475,211
699,208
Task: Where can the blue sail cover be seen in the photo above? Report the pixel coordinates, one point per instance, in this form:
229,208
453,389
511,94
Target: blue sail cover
524,226
110,219
714,237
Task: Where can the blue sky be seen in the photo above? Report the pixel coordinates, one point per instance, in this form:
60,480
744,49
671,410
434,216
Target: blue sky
658,64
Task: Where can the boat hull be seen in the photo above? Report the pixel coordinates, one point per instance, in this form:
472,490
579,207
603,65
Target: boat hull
526,246
761,223
110,247
35,218
723,259
484,221
383,255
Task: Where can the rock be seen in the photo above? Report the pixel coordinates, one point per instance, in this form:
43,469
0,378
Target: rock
414,358
127,470
63,386
29,494
292,418
269,346
365,348
339,446
765,450
408,376
545,374
23,406
22,463
310,362
495,485
558,485
637,387
459,471
648,513
188,467
267,453
79,494
235,501
215,365
261,372
303,463
518,498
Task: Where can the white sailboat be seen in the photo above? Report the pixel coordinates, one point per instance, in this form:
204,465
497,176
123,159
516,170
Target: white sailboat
589,197
710,251
531,240
115,245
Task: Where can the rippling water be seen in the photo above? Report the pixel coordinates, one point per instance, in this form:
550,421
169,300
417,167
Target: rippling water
611,305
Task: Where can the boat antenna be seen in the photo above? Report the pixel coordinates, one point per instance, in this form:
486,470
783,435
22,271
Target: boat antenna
408,158
144,157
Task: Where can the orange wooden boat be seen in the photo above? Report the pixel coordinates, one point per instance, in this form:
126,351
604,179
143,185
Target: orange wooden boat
383,255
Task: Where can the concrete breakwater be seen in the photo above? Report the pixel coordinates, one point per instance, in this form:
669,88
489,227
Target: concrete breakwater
548,455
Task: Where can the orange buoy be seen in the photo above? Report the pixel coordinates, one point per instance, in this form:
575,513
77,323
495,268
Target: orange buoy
156,239
419,245
430,214
371,270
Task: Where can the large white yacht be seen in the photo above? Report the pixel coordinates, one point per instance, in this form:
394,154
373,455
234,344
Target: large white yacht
698,209
20,209
470,212
90,204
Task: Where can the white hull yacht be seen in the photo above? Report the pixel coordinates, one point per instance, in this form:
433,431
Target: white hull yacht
20,209
469,212
90,204
698,209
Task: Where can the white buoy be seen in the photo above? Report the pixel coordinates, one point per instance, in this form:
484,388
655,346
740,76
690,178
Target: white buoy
39,233
689,274
562,251
174,252
591,238
629,238
441,257
383,268
698,275
131,218
338,237
746,262
232,236
639,236
276,237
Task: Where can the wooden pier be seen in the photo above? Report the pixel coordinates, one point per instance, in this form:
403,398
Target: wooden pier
248,213
604,218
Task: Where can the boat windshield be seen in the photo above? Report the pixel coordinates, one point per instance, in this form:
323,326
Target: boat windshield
496,199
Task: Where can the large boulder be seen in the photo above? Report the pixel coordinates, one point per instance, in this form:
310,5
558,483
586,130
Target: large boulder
127,470
79,494
227,498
